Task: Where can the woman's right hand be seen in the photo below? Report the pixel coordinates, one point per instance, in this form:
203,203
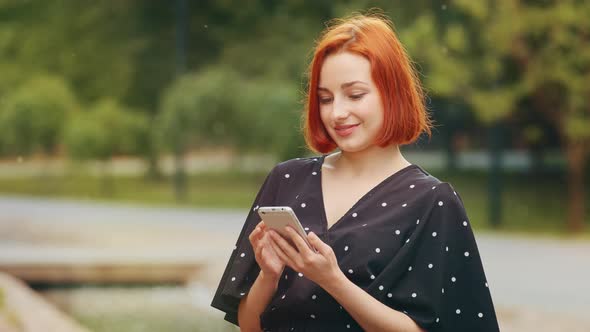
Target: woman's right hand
270,263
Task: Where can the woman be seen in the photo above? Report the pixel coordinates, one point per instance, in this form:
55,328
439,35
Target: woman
395,250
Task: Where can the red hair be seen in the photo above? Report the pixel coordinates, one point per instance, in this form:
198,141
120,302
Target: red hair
372,36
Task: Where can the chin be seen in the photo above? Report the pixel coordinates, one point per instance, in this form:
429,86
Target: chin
351,148
353,144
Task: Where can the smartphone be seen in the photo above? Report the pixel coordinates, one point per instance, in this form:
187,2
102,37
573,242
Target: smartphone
277,217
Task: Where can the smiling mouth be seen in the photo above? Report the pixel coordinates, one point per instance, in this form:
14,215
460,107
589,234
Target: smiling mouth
344,131
345,127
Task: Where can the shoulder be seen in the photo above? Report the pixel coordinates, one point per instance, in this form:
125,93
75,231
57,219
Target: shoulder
447,207
449,196
432,190
415,181
296,166
432,186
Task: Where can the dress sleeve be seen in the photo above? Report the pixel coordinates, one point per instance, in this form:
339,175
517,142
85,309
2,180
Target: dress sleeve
242,270
442,285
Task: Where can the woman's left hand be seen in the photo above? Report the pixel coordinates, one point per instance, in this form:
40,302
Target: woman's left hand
320,267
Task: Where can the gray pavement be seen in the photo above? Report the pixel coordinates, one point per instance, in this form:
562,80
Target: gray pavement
541,275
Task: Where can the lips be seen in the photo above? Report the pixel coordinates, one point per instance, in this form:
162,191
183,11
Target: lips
345,130
343,127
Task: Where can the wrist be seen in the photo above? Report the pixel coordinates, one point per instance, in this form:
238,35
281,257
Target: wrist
269,279
335,283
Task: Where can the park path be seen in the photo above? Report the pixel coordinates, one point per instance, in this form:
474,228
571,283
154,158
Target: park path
534,281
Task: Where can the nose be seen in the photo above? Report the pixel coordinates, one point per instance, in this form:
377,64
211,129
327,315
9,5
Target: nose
340,109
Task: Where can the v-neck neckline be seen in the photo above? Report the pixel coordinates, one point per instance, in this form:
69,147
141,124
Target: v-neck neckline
324,214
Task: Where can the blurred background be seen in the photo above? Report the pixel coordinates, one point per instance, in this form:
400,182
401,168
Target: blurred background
134,136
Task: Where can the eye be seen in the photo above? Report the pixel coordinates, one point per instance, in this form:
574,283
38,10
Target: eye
325,100
357,96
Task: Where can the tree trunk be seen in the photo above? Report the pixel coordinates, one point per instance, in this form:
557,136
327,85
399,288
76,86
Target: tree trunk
495,185
107,184
154,173
43,179
576,156
180,177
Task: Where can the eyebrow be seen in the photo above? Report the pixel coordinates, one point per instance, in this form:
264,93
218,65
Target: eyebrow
344,85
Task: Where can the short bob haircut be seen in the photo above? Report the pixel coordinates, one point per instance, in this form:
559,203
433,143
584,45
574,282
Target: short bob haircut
372,36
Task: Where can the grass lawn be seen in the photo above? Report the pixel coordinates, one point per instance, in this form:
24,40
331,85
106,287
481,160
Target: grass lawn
533,206
137,309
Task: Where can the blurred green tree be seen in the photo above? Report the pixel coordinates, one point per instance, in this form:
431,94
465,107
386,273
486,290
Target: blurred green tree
194,112
553,51
268,119
92,47
216,107
32,117
106,130
494,54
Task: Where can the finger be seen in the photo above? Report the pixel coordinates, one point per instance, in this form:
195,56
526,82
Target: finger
263,246
318,244
260,224
255,235
281,254
302,247
252,236
286,248
258,252
256,229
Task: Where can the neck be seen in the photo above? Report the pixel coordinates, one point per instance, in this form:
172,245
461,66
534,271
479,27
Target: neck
375,160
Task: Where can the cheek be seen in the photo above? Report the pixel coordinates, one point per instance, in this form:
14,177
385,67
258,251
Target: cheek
374,109
368,111
324,115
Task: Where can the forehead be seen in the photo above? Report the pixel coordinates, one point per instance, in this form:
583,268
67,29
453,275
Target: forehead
344,67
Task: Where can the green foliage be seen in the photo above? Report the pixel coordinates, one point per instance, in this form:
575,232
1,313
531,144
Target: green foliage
479,10
104,131
493,54
459,64
91,46
218,107
32,117
194,108
577,126
456,38
514,53
269,118
84,139
279,53
494,104
247,64
559,55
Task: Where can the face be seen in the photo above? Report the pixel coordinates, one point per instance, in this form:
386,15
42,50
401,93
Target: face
350,104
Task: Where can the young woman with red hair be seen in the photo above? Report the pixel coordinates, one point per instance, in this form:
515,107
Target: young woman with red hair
394,247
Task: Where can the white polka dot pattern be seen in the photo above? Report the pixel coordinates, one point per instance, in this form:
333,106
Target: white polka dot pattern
435,276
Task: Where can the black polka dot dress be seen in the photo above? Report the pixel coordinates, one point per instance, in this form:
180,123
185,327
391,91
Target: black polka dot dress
407,242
